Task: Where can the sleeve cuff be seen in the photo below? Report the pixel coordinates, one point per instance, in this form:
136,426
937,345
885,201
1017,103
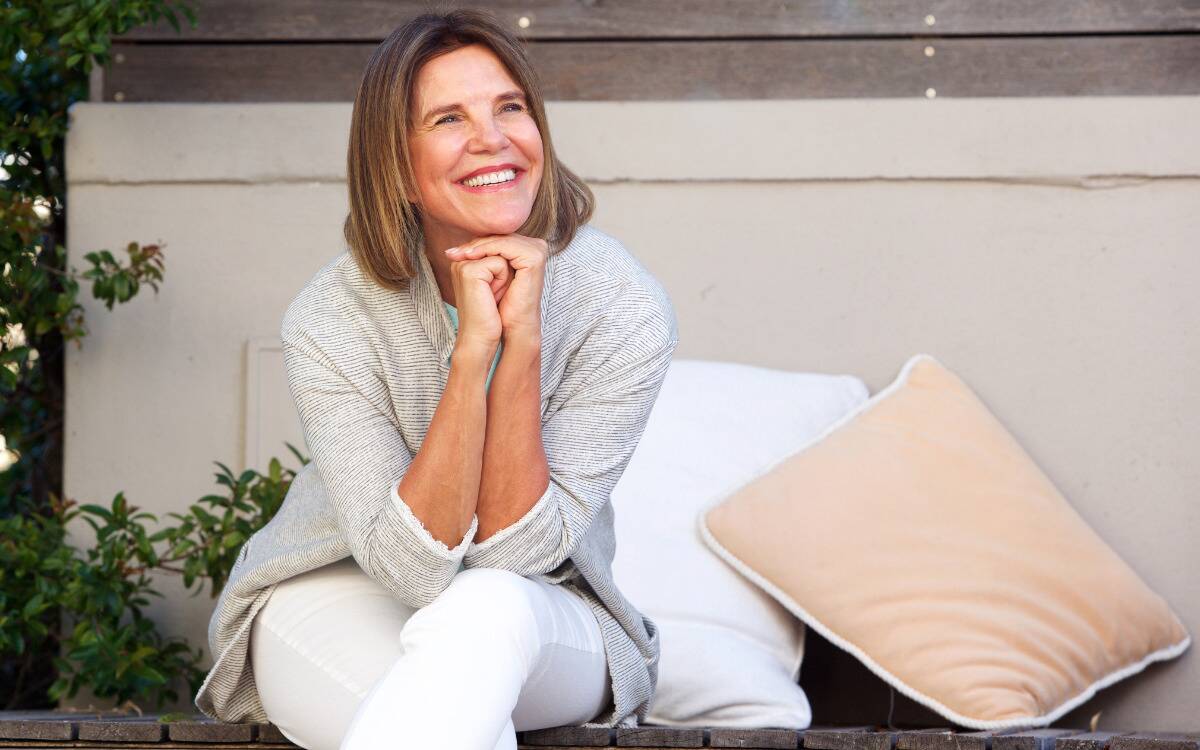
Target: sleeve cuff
435,546
534,537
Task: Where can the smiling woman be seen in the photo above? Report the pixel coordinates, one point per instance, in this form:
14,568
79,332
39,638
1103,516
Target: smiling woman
485,132
472,375
439,103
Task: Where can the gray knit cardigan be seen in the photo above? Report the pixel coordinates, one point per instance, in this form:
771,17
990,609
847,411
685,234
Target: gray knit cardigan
366,367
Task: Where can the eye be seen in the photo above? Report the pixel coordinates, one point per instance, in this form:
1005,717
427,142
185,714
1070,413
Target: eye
519,108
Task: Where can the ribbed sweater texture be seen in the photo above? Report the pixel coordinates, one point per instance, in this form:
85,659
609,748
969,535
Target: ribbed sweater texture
366,368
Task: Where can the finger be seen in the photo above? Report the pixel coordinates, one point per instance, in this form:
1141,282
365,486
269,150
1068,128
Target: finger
498,284
501,270
496,266
523,253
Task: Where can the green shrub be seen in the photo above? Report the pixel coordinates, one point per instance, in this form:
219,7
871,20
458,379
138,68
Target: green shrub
71,618
107,643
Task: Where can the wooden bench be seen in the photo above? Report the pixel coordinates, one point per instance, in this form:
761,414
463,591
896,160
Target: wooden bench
67,729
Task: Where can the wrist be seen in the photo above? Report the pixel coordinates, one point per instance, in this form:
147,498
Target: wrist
521,338
472,359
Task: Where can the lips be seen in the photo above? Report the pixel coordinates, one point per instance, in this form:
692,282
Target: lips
487,170
496,186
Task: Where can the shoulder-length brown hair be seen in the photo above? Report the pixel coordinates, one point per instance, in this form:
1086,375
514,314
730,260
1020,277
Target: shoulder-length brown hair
383,227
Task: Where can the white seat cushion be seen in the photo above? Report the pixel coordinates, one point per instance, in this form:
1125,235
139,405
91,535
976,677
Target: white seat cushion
730,653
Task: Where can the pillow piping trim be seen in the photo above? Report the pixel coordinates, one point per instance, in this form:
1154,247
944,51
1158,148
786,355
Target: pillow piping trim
1163,654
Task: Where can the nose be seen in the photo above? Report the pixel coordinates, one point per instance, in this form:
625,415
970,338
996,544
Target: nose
488,136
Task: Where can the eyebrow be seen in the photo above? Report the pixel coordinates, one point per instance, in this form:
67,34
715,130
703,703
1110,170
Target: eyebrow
506,96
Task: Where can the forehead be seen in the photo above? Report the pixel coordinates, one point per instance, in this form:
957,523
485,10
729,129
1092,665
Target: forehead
471,72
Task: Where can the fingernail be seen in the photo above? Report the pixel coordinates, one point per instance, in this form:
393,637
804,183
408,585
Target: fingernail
450,250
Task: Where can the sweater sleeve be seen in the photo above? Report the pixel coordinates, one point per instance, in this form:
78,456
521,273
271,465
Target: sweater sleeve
361,458
588,442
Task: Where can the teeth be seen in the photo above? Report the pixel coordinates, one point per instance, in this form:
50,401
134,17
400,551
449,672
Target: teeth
504,175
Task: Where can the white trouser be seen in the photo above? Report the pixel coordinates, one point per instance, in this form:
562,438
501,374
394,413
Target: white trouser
341,663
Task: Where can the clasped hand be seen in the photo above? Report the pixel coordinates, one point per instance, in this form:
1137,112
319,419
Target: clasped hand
498,286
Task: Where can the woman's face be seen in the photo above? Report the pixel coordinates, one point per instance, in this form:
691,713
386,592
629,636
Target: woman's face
471,115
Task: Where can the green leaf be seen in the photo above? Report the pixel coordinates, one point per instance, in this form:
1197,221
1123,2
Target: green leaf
181,548
150,673
142,653
33,607
98,510
295,452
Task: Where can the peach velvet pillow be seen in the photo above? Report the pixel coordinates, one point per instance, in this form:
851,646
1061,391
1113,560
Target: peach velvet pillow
917,534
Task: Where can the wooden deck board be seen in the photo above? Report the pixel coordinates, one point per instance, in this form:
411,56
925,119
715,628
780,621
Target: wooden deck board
69,729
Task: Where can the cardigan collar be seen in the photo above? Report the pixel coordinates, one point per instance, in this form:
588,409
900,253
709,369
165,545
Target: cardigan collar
431,309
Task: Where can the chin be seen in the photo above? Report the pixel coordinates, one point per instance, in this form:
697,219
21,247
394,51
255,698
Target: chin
503,225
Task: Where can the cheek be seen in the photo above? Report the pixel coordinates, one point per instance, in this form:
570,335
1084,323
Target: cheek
529,139
439,159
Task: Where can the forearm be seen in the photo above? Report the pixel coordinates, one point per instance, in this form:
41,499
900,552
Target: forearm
515,472
441,485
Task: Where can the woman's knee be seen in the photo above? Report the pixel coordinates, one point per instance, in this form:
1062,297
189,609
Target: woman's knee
311,705
482,601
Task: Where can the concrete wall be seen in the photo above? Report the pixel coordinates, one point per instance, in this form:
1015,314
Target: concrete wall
1043,248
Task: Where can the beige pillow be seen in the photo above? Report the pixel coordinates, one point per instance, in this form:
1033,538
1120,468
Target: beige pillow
917,534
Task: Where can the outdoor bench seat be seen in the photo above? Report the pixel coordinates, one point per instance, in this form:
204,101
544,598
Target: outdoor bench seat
69,729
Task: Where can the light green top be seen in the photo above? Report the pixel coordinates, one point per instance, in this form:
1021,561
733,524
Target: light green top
454,320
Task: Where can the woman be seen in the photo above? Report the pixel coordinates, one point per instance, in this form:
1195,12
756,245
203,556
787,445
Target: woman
439,574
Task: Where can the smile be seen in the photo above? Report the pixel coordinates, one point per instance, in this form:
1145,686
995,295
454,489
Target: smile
500,181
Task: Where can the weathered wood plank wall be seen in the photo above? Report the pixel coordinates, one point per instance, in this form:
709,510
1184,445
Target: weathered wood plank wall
314,50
